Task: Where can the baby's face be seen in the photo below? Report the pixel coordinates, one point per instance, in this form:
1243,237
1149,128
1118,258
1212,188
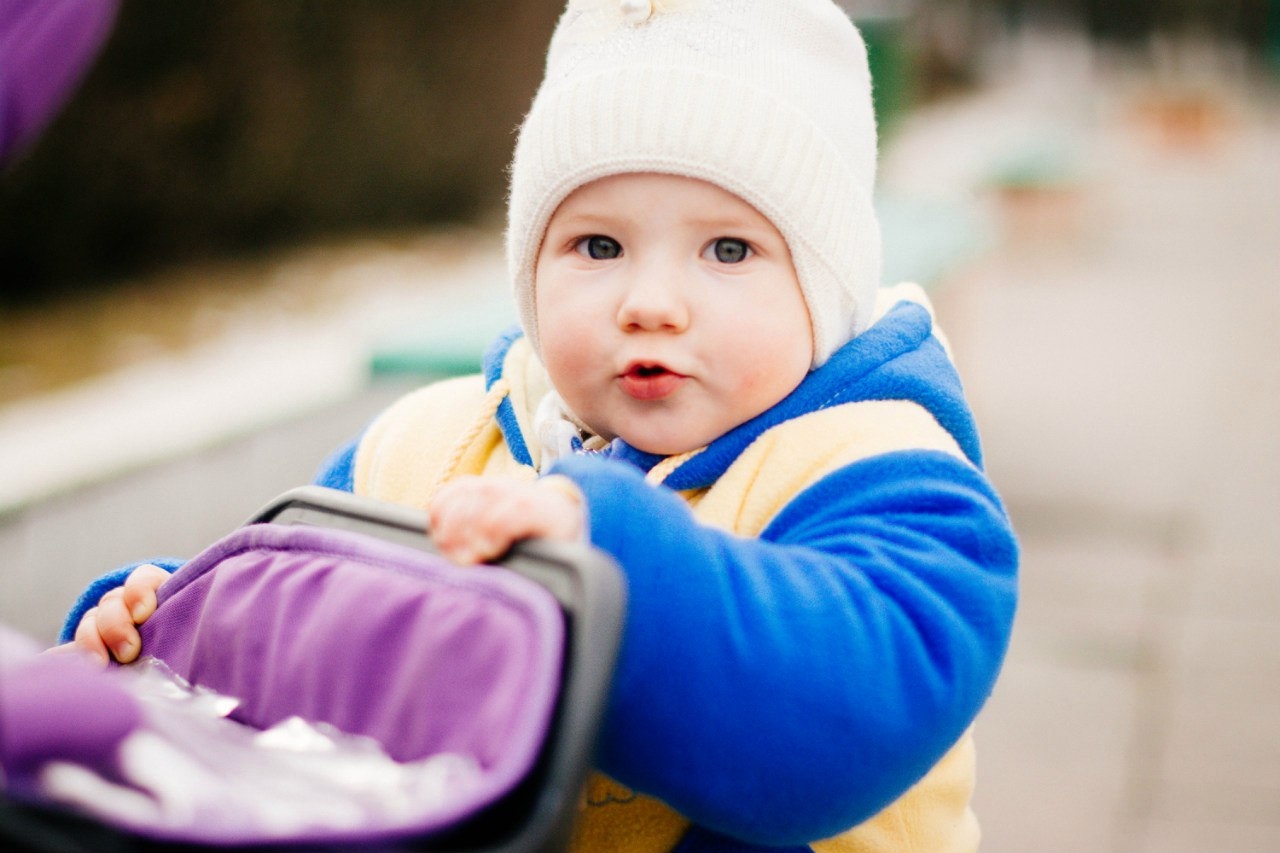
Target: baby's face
668,310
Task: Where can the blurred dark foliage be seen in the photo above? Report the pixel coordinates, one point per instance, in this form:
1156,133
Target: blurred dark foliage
223,127
214,127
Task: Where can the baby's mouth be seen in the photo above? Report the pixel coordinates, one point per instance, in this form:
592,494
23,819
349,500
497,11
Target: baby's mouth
650,381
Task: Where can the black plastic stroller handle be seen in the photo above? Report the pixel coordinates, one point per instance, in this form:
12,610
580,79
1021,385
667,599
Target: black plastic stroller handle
586,582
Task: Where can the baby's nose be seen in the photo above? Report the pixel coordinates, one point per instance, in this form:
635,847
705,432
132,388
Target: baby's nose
653,303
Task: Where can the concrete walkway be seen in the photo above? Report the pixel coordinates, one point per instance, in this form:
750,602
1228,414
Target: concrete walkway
1120,347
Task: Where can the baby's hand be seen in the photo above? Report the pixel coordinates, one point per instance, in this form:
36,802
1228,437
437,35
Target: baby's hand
111,629
477,519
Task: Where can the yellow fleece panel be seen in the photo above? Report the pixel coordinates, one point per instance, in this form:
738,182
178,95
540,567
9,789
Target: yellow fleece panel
615,819
529,384
908,291
933,817
794,455
397,459
905,291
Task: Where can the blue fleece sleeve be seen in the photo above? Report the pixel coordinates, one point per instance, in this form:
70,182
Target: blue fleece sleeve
785,689
339,470
100,587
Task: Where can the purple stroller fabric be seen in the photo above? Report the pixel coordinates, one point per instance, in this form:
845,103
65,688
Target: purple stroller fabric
374,639
45,46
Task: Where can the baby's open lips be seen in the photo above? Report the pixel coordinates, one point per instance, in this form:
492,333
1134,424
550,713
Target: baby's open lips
649,380
646,371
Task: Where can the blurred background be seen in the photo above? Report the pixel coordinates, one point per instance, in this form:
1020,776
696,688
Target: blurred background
254,224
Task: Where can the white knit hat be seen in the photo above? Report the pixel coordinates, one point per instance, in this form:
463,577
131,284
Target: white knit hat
768,99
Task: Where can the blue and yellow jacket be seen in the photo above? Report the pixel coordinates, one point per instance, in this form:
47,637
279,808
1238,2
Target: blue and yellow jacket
818,602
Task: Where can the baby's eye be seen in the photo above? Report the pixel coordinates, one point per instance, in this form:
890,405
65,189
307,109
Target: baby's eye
599,248
728,250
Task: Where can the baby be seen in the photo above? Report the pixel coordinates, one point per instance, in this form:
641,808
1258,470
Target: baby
709,384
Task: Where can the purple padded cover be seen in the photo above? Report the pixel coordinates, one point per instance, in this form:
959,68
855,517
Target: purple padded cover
374,638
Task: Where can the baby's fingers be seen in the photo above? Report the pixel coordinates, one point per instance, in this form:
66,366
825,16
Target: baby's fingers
456,525
140,591
116,628
477,520
88,640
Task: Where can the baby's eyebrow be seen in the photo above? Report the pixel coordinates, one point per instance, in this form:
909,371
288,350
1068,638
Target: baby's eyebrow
604,221
727,222
585,221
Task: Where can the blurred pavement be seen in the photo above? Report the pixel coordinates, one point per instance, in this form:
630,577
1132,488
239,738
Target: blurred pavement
165,456
1120,347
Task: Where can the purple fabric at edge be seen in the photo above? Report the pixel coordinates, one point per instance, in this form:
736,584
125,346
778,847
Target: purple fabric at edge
58,708
45,47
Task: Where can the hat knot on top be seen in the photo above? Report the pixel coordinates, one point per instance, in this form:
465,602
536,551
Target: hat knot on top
636,12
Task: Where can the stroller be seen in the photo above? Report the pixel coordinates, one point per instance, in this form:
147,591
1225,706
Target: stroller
321,679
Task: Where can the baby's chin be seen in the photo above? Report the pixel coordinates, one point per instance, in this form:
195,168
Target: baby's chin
657,438
662,445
